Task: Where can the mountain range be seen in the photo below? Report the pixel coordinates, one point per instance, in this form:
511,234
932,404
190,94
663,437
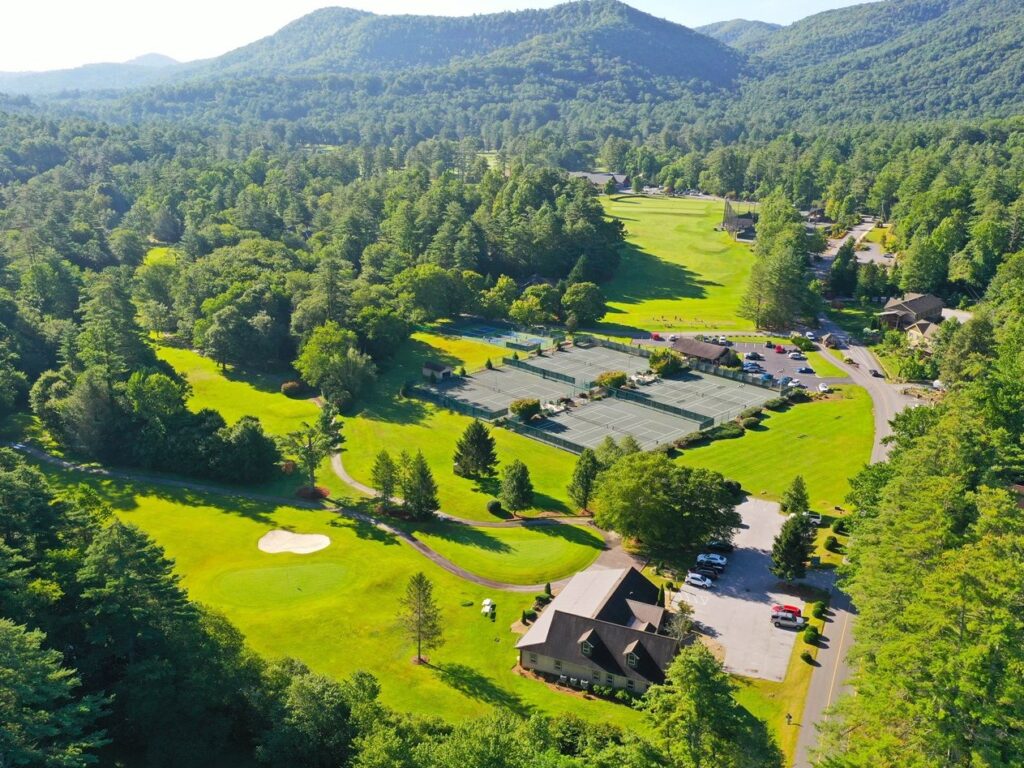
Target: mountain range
894,59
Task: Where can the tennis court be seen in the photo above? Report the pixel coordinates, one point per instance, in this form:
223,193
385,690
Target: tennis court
498,335
587,425
585,364
494,390
712,396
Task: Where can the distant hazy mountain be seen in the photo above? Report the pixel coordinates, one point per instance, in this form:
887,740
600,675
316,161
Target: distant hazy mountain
739,33
148,69
338,40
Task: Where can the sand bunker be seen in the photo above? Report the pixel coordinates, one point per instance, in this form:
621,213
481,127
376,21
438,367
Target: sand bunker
296,543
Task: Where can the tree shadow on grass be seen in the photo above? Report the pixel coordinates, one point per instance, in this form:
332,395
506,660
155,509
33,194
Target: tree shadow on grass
574,534
650,278
258,380
465,534
364,530
476,686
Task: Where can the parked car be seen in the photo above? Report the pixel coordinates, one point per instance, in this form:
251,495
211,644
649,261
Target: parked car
824,388
674,337
711,573
753,356
769,345
696,580
805,369
786,621
876,373
814,518
779,349
797,383
797,356
712,559
752,368
785,380
718,545
811,336
656,336
792,610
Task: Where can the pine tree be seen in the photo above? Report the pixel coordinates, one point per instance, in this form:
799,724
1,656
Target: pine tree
661,595
792,549
584,479
795,500
419,491
474,452
420,615
516,488
384,476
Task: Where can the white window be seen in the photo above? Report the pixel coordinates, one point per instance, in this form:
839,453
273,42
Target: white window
533,658
632,660
629,683
610,679
558,666
586,648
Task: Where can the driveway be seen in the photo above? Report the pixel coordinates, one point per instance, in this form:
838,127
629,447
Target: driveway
735,611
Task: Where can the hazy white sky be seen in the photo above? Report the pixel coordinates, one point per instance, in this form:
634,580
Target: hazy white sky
52,34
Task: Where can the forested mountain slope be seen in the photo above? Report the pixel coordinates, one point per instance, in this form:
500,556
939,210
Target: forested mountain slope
739,33
901,59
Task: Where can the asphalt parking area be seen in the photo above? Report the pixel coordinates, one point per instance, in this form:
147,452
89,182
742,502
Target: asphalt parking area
780,365
735,611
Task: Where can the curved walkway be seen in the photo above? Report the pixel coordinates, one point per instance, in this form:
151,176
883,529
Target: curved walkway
613,556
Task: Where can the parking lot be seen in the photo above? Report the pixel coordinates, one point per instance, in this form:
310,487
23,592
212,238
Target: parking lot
735,611
779,365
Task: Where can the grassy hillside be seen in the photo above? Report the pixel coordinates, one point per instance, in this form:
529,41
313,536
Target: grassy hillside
677,272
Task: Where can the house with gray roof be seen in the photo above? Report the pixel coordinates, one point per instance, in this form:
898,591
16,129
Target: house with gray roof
600,180
903,312
604,628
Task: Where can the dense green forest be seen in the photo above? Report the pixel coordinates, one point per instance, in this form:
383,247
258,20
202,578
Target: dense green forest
302,204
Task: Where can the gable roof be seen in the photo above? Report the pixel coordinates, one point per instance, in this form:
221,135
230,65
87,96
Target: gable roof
923,327
915,303
600,179
699,349
431,365
616,611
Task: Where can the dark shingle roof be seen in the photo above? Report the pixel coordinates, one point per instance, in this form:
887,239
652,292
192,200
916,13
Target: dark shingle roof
699,349
915,303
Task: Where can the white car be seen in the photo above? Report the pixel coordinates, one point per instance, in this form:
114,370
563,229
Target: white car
797,356
814,518
810,336
824,388
696,580
712,559
797,384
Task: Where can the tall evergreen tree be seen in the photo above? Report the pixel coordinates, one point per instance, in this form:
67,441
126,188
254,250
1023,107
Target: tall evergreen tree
516,487
419,490
792,549
384,476
584,478
420,616
795,500
474,452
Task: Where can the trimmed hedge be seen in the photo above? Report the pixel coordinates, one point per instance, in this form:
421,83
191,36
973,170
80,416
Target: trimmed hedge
811,635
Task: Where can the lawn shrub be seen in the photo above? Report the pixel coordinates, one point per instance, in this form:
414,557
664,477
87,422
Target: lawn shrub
489,365
807,656
542,599
776,404
840,526
666,362
292,388
525,408
727,431
611,379
691,439
751,412
818,610
529,615
811,635
831,543
750,422
804,345
494,507
625,696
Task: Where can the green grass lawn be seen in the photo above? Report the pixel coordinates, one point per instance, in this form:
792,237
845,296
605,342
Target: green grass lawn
826,441
386,421
876,234
516,555
336,609
677,272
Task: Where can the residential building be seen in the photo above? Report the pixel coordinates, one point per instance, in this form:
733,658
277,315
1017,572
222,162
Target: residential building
604,627
919,335
901,313
436,371
600,180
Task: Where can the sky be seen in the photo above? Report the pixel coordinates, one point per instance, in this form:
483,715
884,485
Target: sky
55,34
